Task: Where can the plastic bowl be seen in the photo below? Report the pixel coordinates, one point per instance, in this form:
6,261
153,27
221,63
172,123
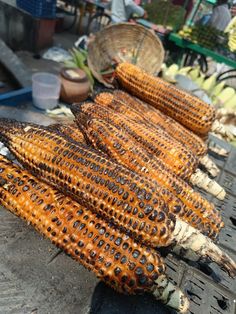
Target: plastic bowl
45,89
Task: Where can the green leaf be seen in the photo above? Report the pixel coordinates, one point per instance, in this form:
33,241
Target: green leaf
70,64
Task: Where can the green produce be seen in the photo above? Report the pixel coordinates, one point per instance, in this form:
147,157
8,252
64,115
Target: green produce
209,84
200,80
218,89
170,72
79,58
194,74
226,94
202,35
230,103
231,31
184,70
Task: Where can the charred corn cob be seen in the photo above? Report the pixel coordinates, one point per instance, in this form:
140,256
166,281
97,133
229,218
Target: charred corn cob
115,258
70,130
183,235
178,159
108,188
150,117
178,104
162,148
198,212
167,98
129,105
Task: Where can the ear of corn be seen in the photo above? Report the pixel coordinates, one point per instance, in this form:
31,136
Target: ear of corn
70,130
176,158
83,235
148,140
136,109
152,118
119,195
114,257
119,146
178,104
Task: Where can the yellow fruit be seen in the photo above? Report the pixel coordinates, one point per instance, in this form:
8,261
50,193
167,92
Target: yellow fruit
209,83
225,95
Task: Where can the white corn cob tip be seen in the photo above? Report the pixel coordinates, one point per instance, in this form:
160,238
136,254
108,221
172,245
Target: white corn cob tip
209,165
228,132
218,150
193,240
201,180
170,295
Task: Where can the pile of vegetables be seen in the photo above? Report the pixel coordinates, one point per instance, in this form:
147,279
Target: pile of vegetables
117,185
204,35
231,32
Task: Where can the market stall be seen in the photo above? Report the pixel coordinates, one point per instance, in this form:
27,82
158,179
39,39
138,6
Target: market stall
186,45
188,38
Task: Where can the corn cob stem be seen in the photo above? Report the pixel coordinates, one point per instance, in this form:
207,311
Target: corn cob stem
191,239
115,258
223,130
217,149
209,165
202,181
163,291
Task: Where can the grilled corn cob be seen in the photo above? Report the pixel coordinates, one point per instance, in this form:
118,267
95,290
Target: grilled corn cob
174,155
178,104
126,104
119,195
70,130
188,110
162,148
150,117
184,235
115,258
108,188
198,212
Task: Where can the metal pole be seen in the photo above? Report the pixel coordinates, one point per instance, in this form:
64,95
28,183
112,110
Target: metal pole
193,13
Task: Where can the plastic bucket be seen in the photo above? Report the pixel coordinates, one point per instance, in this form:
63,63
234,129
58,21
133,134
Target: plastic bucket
45,89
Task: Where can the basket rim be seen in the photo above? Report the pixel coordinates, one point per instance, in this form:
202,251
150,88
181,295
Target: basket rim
129,25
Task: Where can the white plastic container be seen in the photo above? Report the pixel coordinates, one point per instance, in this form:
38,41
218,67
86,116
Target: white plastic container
46,90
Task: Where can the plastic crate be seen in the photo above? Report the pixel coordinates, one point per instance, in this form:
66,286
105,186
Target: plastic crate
38,8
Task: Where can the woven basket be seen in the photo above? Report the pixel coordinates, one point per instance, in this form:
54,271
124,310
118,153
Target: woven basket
124,42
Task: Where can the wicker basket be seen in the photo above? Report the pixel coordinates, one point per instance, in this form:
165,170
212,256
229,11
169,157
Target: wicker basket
124,42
